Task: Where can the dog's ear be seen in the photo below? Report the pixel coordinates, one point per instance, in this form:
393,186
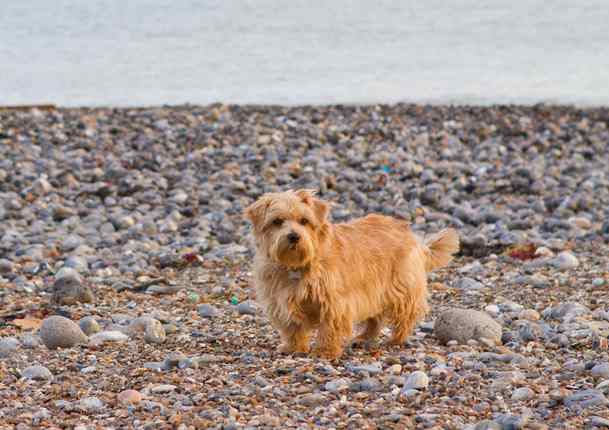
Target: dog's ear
256,211
321,208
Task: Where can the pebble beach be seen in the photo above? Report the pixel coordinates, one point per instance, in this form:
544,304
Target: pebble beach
125,296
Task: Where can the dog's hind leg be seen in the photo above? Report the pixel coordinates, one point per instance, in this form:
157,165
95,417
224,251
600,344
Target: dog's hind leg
371,331
405,314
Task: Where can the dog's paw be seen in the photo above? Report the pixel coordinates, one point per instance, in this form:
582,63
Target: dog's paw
285,348
364,343
327,354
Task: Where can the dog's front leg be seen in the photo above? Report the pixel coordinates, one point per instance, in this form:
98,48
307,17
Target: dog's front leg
295,338
331,338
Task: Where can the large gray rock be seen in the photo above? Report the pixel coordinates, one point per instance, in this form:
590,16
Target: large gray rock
70,290
60,332
466,324
39,373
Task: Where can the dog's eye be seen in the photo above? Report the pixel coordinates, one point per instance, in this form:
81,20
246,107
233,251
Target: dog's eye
277,221
304,221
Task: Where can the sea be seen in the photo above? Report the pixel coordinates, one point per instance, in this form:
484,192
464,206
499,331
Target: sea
169,52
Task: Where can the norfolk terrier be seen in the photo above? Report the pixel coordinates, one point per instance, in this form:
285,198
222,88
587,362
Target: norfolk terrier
311,274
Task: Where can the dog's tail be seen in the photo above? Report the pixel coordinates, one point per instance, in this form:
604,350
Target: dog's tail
440,248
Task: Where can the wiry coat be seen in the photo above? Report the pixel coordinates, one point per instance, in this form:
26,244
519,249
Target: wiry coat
372,270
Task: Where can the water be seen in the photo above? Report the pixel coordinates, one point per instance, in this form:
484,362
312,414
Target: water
151,52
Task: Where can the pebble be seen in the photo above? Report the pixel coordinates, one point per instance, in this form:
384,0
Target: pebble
208,311
89,325
40,415
585,399
371,369
492,310
90,405
8,346
163,389
30,341
60,332
337,385
107,336
529,314
173,360
565,312
463,325
417,380
600,371
246,308
70,291
522,394
129,397
488,425
599,422
468,284
565,261
39,373
155,332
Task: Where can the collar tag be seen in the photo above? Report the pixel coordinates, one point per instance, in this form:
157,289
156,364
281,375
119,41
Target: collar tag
294,275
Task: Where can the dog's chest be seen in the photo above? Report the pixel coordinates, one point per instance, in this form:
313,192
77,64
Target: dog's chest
300,299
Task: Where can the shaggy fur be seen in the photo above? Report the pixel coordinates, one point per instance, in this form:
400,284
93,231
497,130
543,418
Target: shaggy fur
311,275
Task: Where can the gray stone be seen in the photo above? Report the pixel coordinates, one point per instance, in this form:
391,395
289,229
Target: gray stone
90,405
107,336
417,380
407,394
155,332
522,394
468,284
246,308
173,360
77,263
69,291
67,272
599,422
89,325
337,385
512,422
371,369
39,373
40,415
8,346
60,332
207,311
566,311
463,325
585,399
565,261
366,384
488,425
531,332
30,341
600,371
6,266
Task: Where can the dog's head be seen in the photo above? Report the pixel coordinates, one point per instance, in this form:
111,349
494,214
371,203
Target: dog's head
289,227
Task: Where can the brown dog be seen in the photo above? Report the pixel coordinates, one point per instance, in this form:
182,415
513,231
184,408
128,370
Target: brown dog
310,274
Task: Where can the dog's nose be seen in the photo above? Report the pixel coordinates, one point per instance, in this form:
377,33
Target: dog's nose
293,237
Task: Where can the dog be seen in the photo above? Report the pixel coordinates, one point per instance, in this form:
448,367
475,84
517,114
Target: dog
310,274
